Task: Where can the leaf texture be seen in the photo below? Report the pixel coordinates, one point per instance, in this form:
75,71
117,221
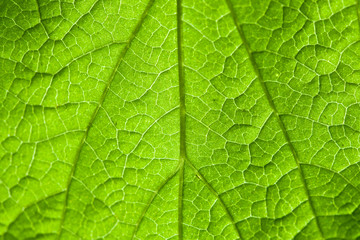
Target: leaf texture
186,119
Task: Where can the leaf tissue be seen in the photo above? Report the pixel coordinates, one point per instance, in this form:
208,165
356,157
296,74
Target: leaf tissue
179,119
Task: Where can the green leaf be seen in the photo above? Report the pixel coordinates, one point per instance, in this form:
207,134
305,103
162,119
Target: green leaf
187,119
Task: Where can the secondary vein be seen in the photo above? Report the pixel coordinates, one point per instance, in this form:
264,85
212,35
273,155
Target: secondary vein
93,116
358,11
157,191
272,105
41,19
213,191
182,156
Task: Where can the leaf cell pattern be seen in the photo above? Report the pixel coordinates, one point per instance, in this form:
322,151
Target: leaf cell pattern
186,119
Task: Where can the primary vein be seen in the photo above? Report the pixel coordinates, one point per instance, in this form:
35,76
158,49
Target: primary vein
182,156
272,105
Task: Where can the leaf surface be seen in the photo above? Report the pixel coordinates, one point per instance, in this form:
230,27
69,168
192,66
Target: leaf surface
187,119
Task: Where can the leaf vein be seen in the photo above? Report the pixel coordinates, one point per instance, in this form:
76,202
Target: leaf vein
272,105
77,156
157,191
182,156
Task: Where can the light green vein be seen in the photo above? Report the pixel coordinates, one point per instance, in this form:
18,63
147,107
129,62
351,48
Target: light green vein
102,98
53,75
182,156
272,105
75,23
